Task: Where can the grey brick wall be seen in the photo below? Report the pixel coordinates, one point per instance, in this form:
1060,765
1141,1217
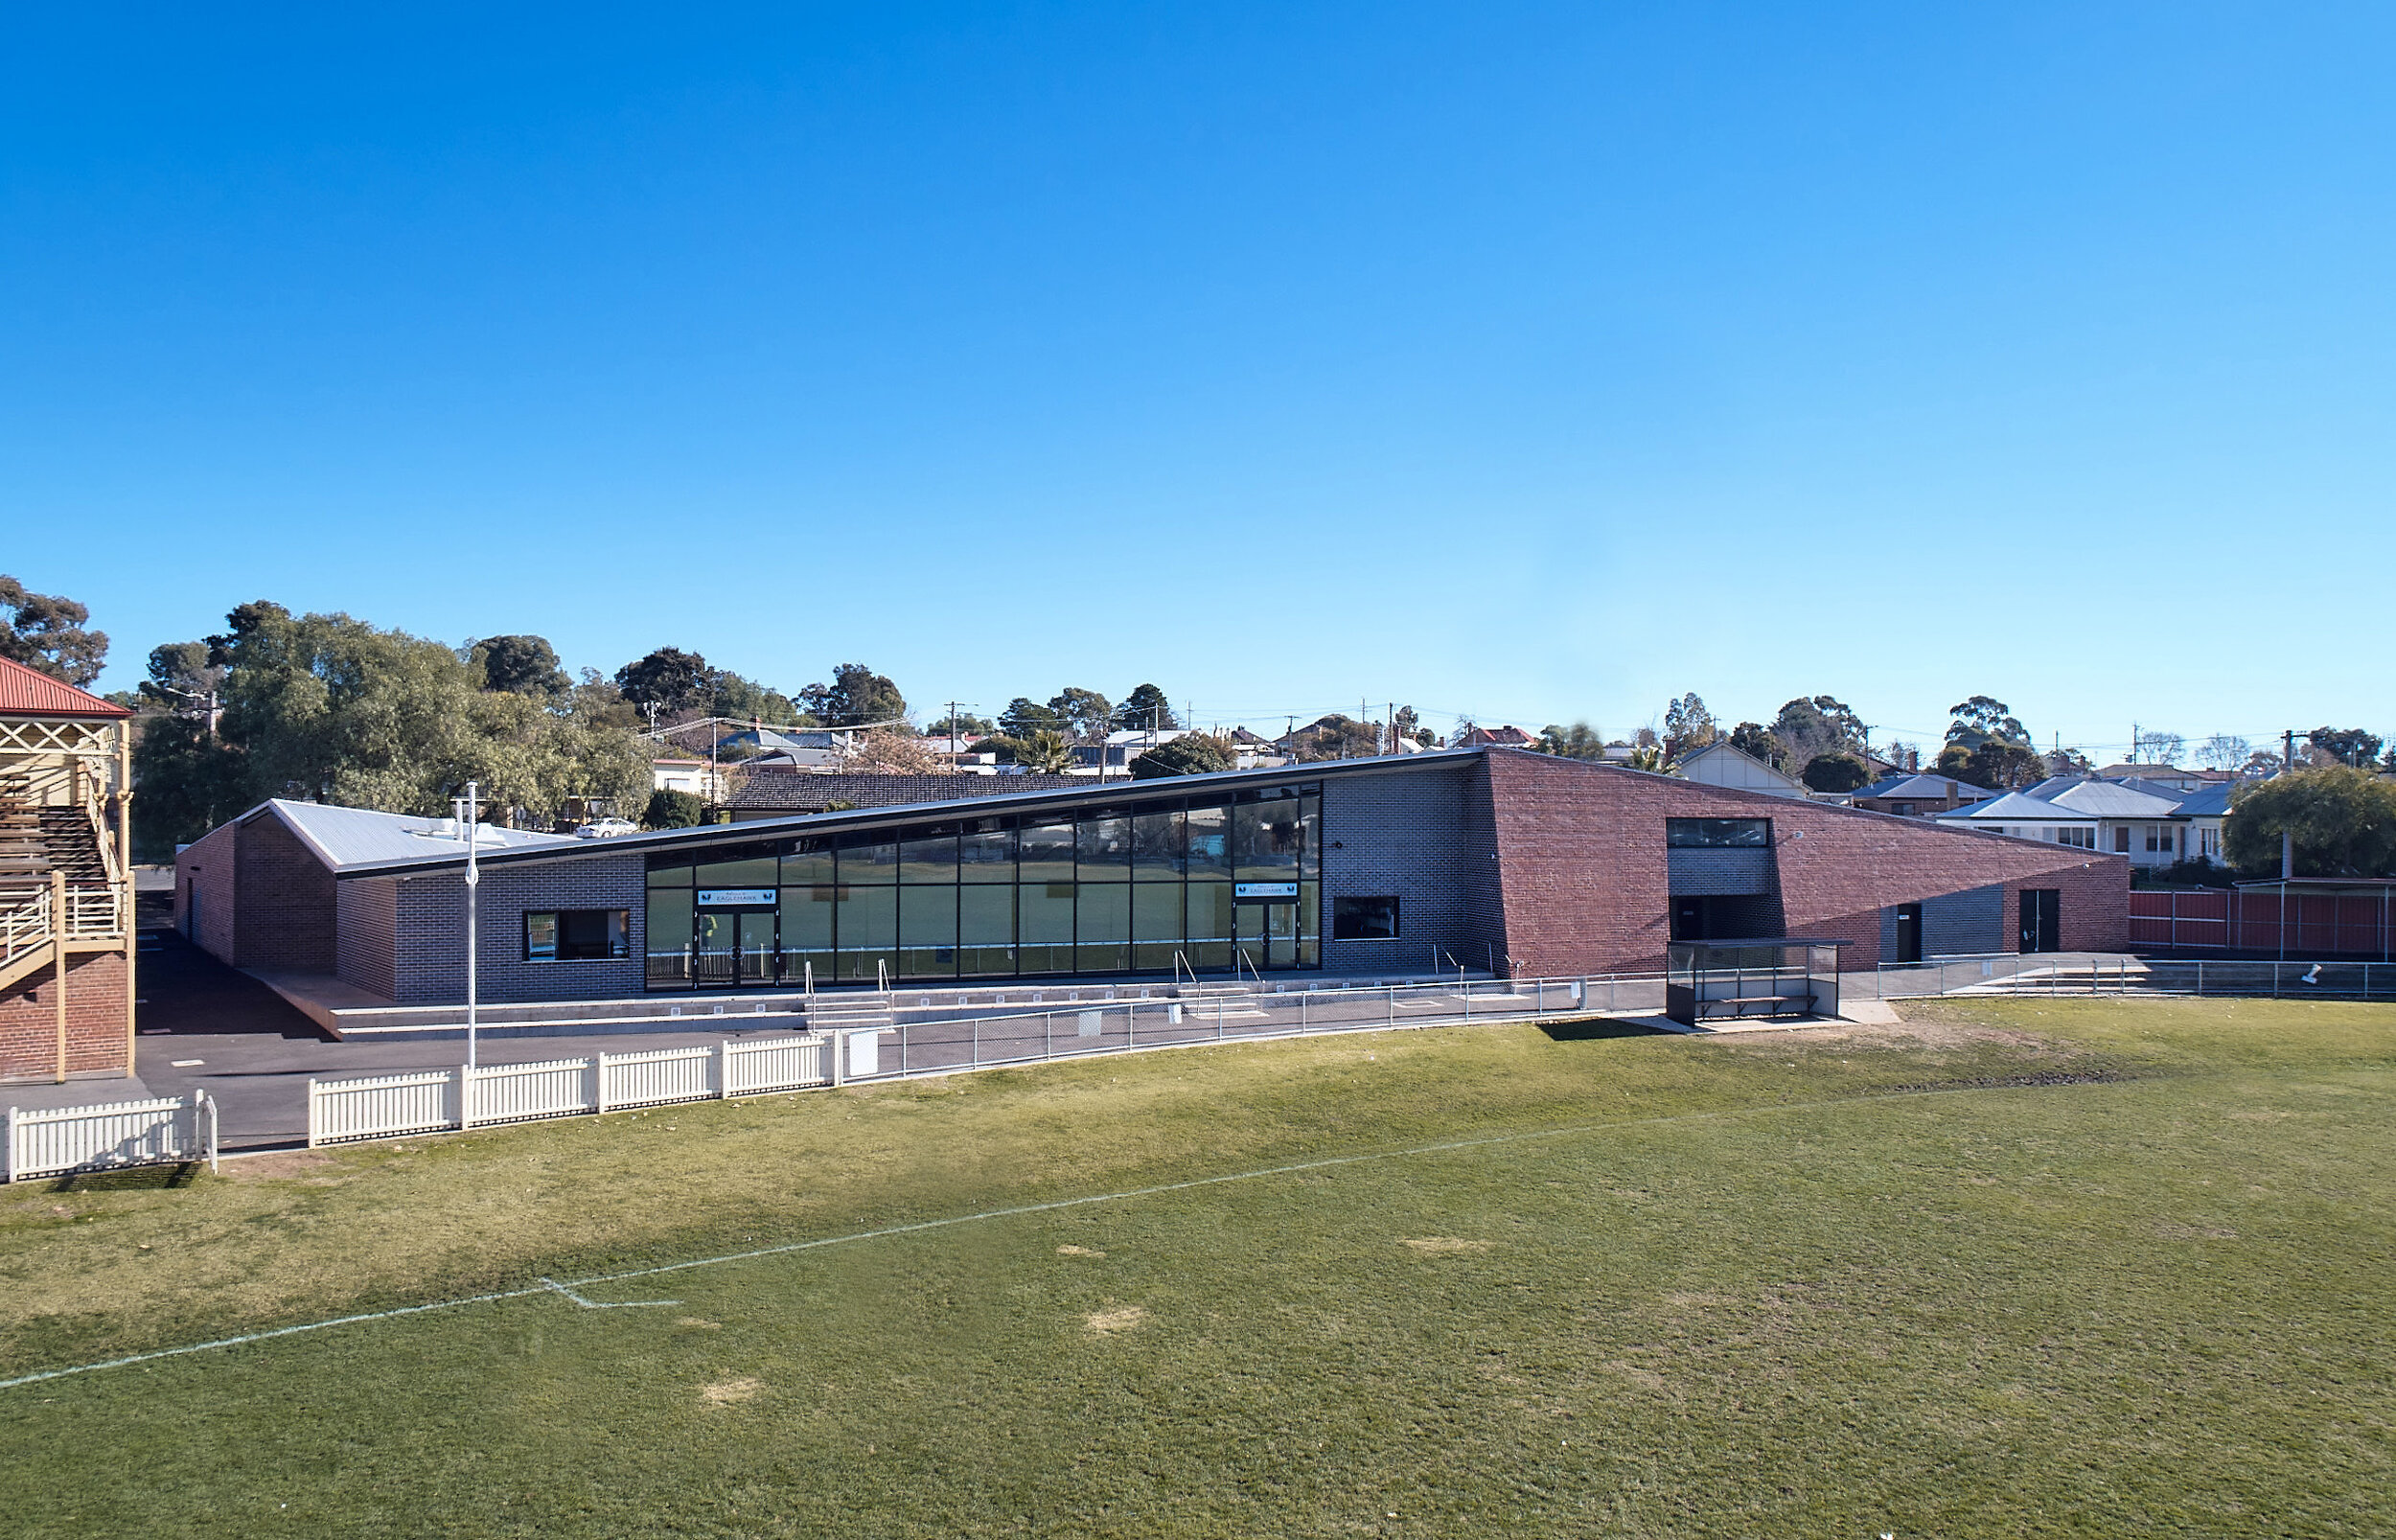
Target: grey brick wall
1403,834
430,956
1969,921
1721,871
368,934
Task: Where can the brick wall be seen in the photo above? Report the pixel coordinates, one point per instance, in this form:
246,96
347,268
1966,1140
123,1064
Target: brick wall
284,902
429,959
208,870
367,937
95,1008
1584,871
1399,835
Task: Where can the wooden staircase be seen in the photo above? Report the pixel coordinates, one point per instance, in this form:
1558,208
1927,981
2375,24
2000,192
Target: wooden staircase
56,883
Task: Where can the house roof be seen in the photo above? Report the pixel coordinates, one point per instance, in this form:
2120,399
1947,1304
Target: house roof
2105,799
779,791
2017,807
29,692
343,838
1926,786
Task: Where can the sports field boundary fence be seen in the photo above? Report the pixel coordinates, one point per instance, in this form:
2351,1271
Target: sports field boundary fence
74,1140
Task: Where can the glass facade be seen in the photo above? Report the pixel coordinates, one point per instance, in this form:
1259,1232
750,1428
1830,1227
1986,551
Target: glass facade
1228,879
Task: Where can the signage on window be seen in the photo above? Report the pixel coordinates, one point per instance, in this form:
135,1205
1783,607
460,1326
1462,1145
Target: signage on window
1265,889
721,898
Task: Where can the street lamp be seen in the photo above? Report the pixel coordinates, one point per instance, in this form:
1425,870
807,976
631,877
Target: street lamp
469,812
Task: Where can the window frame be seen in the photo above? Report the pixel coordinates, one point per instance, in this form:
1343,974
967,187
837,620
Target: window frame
1342,913
618,950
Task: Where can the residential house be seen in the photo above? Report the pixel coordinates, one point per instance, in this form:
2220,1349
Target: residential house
1718,763
2153,823
1918,796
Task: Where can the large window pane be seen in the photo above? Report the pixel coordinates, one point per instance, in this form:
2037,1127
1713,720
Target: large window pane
1309,924
867,857
1103,928
1265,840
1310,834
748,869
929,855
669,933
1155,926
1156,846
809,864
1209,842
986,923
1105,845
1047,852
927,933
986,852
1047,922
671,874
868,918
807,932
1209,909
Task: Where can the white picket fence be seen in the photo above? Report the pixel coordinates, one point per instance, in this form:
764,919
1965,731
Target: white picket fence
432,1101
58,1142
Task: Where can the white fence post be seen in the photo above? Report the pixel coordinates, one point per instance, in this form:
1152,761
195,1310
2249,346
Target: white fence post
464,1098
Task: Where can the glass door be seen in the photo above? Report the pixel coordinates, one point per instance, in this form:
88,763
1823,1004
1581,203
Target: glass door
1268,935
732,949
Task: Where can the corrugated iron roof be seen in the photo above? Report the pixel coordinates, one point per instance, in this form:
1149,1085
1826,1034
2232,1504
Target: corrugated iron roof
359,837
29,692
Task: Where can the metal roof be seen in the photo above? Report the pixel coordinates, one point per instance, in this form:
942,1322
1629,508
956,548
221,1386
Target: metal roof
2108,800
1924,785
29,692
347,838
2017,807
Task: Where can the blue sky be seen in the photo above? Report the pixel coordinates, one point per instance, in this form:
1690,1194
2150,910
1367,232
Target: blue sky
1531,363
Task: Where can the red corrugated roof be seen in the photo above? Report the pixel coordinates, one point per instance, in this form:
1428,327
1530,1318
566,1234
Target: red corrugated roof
26,692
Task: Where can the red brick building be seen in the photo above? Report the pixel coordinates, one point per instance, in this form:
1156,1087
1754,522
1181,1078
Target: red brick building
1493,859
66,895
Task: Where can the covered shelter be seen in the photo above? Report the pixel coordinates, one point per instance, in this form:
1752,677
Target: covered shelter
1746,976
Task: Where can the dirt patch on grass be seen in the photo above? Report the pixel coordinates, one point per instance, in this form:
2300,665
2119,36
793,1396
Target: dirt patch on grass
1077,1251
729,1393
1115,1320
283,1165
1442,1245
702,1325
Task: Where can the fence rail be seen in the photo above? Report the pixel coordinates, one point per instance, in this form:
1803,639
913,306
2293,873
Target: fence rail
432,1101
64,1140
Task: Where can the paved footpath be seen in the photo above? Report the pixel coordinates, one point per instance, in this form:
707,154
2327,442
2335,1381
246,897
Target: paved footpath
204,1025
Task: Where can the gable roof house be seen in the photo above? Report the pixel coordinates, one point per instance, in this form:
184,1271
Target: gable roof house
1918,796
2152,824
1718,763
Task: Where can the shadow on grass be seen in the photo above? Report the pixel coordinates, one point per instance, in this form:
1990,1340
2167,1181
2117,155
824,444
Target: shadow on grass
1591,1027
132,1179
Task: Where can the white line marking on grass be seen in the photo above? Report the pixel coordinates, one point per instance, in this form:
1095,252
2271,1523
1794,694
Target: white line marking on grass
547,1285
597,1305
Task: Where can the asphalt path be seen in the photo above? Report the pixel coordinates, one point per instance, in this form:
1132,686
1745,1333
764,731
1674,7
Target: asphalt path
203,1025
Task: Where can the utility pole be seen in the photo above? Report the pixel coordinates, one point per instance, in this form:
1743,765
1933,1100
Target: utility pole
2287,761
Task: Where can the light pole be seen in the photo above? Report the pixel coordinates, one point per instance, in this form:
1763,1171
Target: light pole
469,813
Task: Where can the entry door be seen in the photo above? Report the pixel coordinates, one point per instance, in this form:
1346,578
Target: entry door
2041,919
1268,935
1908,933
732,948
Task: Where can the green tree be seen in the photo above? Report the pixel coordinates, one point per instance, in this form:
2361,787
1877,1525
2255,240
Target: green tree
48,632
1579,741
1084,714
963,724
1836,773
1022,718
855,697
1145,708
1045,752
1993,766
1194,753
1982,717
327,708
1811,727
667,682
2069,762
2344,745
1688,727
1651,758
1758,742
733,696
674,809
520,665
2342,823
